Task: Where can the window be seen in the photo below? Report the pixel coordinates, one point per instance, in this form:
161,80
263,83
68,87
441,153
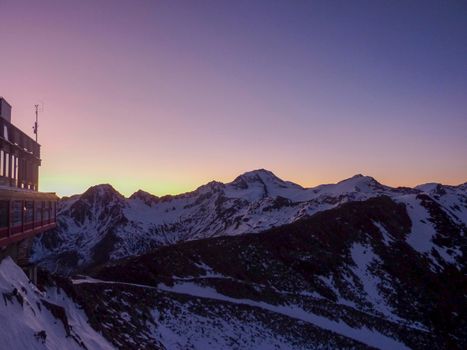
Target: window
38,211
46,211
15,170
29,213
2,157
7,165
15,166
4,213
17,213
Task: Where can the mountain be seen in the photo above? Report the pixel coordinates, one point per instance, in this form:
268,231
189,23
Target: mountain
257,263
34,319
102,225
362,275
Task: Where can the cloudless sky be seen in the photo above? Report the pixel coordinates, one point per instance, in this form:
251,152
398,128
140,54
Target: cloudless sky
168,95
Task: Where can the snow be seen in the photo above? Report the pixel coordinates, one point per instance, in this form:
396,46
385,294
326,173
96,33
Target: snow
258,189
248,204
387,239
428,187
357,183
86,279
453,198
254,202
20,323
365,259
363,256
423,231
365,335
192,331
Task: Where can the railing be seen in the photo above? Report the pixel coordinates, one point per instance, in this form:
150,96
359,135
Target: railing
21,219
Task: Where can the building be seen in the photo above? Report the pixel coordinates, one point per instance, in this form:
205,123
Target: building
24,211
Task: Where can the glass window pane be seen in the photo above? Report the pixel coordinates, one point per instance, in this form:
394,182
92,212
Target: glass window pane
7,164
29,214
17,213
46,211
1,162
4,214
38,211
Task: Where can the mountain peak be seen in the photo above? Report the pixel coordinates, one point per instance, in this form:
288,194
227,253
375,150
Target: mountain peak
258,175
143,195
259,171
359,183
102,188
360,178
261,183
210,186
103,192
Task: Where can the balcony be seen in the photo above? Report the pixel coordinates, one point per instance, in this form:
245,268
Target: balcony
24,214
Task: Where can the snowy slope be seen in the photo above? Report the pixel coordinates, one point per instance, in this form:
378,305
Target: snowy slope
101,224
348,277
31,319
453,198
385,272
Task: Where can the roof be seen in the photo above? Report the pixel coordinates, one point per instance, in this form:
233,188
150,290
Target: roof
24,194
3,98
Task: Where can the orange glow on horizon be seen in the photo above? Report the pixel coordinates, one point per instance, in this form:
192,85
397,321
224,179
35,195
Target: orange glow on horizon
165,98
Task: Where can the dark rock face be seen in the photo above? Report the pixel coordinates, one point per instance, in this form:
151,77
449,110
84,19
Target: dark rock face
59,313
351,265
95,215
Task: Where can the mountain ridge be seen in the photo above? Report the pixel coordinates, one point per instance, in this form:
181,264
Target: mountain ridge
267,263
254,173
102,224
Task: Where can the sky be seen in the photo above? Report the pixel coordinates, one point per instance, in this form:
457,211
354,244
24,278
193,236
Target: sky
165,96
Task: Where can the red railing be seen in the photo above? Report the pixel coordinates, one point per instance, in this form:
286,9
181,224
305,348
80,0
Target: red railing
23,227
16,234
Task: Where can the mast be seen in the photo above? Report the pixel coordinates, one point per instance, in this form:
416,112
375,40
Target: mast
36,125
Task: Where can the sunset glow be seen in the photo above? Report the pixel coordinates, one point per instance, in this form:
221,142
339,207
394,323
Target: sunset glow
165,96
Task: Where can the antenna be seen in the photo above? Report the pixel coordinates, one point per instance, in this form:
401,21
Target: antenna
36,124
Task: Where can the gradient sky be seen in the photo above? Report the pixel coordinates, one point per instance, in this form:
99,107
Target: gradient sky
168,95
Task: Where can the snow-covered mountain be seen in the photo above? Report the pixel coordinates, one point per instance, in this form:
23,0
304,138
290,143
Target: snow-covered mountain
102,225
41,319
258,263
363,275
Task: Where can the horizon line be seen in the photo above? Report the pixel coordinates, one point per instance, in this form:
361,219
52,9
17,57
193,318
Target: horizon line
254,171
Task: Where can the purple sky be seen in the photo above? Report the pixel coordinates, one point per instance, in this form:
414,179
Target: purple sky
167,95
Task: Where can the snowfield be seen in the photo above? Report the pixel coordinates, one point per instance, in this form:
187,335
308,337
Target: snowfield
364,335
27,323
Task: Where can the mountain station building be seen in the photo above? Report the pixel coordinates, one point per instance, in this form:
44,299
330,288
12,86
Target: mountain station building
24,211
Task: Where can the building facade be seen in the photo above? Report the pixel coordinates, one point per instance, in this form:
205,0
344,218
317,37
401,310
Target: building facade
24,211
